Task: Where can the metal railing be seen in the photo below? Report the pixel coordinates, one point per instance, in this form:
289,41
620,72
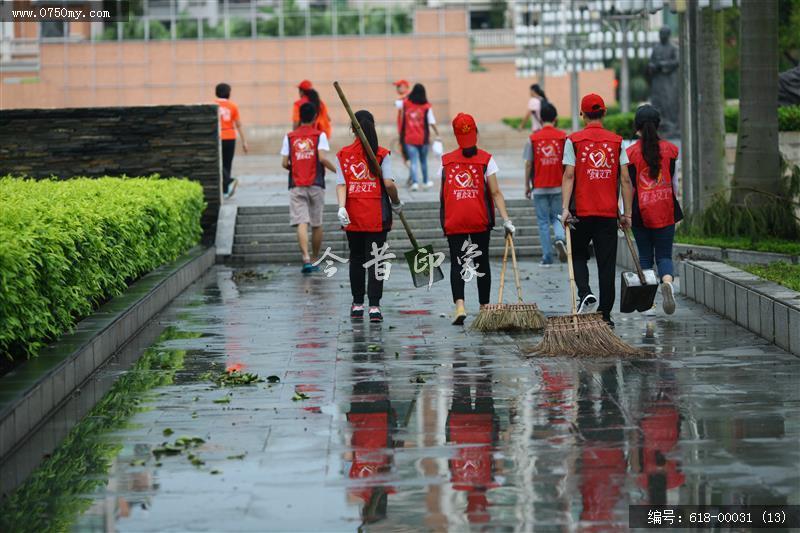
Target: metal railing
503,38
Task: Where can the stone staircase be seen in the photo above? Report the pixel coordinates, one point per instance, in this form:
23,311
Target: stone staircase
263,234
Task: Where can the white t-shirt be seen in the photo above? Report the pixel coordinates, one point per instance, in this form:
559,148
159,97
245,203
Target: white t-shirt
491,168
386,170
431,119
321,145
535,108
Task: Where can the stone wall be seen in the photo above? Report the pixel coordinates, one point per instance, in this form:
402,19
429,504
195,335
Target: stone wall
174,140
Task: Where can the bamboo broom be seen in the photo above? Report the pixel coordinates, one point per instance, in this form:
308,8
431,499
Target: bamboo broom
581,335
509,317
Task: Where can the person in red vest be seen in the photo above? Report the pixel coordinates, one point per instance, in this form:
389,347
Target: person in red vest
655,204
595,166
543,173
229,124
366,203
303,154
417,120
401,87
468,197
309,94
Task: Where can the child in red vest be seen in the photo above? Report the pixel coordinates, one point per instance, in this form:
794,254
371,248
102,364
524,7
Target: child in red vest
309,94
595,167
365,213
544,169
468,197
655,206
414,135
303,154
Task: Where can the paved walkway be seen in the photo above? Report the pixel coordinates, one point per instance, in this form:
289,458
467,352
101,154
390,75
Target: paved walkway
418,425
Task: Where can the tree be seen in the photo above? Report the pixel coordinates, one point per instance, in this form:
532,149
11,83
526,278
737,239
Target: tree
757,155
712,171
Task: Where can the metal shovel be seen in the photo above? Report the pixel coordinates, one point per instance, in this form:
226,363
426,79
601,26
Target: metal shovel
638,289
424,264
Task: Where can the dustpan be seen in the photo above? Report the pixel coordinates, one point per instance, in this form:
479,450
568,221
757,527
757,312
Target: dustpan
637,288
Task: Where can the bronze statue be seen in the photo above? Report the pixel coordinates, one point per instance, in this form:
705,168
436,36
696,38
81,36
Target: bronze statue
662,70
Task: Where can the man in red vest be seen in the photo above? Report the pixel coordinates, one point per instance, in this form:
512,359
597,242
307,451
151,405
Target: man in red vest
303,156
595,166
544,169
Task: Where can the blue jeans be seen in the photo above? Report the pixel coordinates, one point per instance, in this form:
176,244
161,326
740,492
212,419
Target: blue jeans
418,155
548,207
656,242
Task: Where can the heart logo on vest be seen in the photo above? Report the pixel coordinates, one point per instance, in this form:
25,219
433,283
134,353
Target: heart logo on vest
548,150
302,145
359,171
598,159
464,180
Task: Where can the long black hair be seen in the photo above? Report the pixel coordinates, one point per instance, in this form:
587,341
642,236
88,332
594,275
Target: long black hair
538,90
417,94
367,123
313,97
646,122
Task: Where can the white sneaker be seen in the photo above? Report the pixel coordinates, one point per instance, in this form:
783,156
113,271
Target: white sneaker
414,187
588,304
668,297
428,185
651,311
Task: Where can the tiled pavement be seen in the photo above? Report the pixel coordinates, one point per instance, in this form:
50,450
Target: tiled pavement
418,425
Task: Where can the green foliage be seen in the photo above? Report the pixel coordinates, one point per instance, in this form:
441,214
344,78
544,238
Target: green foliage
67,246
60,488
621,124
742,243
788,118
782,273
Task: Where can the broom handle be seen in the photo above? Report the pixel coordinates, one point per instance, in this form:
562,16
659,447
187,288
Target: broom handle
510,239
571,271
503,274
635,255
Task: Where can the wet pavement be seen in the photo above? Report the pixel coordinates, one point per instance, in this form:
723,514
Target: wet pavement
415,424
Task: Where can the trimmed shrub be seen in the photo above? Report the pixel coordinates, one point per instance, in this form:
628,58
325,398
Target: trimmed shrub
67,246
788,118
621,124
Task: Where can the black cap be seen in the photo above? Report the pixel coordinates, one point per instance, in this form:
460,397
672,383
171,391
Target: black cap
646,113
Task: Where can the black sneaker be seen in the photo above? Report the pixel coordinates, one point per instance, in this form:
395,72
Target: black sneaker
561,249
607,320
588,304
357,311
375,314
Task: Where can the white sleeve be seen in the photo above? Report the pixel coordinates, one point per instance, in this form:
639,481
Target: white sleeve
323,143
569,153
339,175
285,146
431,118
386,168
398,103
440,172
491,167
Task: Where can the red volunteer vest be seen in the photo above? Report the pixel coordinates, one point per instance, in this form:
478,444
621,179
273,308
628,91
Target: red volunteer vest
306,169
415,122
548,151
596,171
466,205
654,197
473,465
367,202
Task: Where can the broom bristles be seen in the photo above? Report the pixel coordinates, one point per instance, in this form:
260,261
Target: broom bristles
587,335
509,317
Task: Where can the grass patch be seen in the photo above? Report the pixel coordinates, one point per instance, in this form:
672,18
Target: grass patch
781,273
778,246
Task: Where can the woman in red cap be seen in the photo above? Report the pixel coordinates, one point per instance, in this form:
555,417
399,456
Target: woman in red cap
309,94
365,213
468,198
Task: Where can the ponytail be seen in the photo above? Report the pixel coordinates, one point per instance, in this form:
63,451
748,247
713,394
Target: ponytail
313,97
469,152
651,148
367,123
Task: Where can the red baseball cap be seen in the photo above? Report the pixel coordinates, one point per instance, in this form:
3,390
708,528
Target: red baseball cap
305,85
592,102
398,83
465,130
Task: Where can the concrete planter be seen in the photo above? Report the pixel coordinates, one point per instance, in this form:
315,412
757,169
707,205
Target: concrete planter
765,308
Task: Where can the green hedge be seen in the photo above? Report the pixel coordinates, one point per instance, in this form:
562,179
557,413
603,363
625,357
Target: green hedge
782,273
788,118
67,246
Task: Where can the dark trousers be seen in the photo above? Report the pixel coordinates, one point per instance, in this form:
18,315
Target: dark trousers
602,232
361,252
480,263
655,241
228,149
